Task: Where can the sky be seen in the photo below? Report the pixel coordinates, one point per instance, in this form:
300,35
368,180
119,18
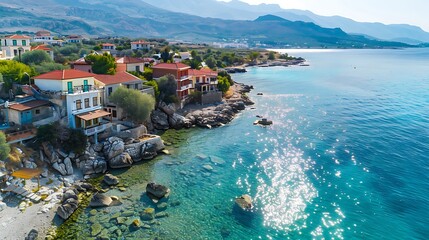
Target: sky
413,12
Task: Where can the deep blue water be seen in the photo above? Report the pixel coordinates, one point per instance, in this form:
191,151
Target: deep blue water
346,157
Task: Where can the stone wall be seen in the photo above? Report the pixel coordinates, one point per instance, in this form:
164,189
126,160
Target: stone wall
211,97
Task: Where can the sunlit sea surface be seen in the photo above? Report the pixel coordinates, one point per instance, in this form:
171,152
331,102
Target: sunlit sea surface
346,157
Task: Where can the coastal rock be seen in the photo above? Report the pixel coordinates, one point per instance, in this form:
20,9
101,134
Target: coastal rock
148,214
60,167
100,200
93,166
83,186
160,120
113,147
217,160
70,194
68,166
121,161
32,235
176,121
51,154
98,147
110,180
66,209
244,202
157,191
30,164
168,109
2,206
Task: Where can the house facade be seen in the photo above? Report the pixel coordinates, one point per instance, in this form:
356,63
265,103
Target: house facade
74,39
137,45
81,96
181,73
14,45
45,37
131,64
109,84
28,111
204,80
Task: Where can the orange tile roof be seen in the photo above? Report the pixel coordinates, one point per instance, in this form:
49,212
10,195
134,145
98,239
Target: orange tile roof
28,105
174,66
107,44
93,115
127,59
41,47
16,36
119,77
65,74
202,72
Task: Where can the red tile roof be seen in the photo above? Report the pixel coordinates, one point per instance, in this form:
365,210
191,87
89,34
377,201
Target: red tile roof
65,74
127,59
173,66
43,33
28,105
41,47
202,72
16,36
119,77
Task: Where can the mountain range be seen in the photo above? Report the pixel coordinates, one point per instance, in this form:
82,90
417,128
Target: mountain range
136,18
237,10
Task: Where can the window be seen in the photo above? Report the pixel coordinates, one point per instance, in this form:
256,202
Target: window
14,43
136,86
24,43
114,114
5,42
137,68
78,104
95,101
109,91
128,86
198,79
88,123
95,121
86,102
37,111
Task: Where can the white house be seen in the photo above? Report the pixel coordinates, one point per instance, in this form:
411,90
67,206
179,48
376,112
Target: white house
82,97
141,45
45,37
74,39
14,45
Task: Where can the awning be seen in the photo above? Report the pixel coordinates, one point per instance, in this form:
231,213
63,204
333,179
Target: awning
93,115
27,173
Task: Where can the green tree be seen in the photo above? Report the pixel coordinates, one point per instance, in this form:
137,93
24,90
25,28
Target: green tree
211,62
223,84
136,105
62,137
4,147
166,55
167,88
271,56
153,84
35,57
102,64
253,56
48,67
15,72
227,75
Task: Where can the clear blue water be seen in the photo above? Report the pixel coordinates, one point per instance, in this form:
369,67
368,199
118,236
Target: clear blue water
346,157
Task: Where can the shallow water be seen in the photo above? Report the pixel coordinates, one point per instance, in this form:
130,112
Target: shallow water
345,158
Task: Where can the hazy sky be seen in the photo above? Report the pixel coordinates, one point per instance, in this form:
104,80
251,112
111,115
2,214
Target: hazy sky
413,12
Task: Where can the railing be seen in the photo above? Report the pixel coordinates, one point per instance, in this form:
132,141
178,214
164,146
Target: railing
97,129
81,89
184,78
186,87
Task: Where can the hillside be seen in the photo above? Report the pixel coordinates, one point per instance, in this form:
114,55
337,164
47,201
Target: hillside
135,18
238,10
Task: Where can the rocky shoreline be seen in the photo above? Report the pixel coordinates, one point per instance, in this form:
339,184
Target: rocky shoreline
269,63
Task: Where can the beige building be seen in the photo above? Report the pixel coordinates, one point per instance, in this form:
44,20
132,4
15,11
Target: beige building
14,45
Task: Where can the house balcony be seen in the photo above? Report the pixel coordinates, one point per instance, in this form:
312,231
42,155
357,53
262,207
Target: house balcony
183,78
183,88
81,89
97,129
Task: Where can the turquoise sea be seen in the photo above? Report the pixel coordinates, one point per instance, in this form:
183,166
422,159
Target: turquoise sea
346,157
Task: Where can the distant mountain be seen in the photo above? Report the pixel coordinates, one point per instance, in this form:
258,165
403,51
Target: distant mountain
237,10
135,18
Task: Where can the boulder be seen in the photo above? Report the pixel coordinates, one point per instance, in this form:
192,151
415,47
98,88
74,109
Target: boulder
121,161
83,186
176,121
92,166
160,120
60,167
157,191
68,165
100,200
113,147
30,164
110,180
148,214
52,155
66,209
32,235
244,202
70,194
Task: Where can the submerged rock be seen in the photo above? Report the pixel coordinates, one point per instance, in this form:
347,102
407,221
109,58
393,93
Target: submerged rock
148,214
110,180
157,191
244,202
100,200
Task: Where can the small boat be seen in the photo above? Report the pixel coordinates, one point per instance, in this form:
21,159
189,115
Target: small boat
259,94
263,122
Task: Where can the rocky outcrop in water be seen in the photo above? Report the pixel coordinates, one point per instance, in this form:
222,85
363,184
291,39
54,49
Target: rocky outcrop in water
100,200
68,205
157,191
